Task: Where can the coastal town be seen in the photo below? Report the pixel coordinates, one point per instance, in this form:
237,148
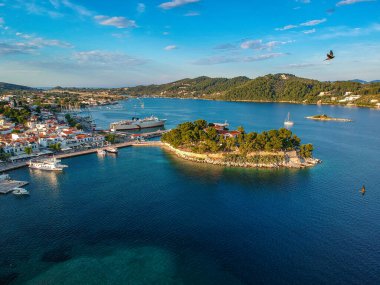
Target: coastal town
38,125
43,132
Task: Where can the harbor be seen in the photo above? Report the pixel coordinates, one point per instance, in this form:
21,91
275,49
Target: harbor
138,141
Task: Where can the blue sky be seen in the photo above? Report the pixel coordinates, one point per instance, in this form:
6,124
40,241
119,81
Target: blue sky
116,43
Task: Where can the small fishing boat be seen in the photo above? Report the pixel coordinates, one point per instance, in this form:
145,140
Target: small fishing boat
362,190
112,150
288,122
101,152
20,191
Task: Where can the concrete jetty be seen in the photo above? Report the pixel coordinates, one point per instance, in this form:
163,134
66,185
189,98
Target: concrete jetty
7,186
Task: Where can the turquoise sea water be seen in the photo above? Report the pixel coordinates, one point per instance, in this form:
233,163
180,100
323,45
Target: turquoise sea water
147,217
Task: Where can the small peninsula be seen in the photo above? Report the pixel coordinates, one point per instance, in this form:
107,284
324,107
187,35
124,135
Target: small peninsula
324,117
204,142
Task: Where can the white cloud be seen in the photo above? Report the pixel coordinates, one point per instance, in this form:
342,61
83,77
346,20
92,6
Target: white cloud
15,48
166,33
39,42
56,4
288,27
192,14
313,22
24,36
226,46
230,59
302,65
2,4
336,32
77,8
350,2
170,47
263,57
255,44
176,3
141,8
304,1
118,22
309,31
35,9
260,45
98,57
306,24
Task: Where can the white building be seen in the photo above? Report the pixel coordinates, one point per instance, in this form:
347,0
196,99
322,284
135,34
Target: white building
18,148
324,93
350,98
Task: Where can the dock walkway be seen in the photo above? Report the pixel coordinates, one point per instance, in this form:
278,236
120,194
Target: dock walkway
16,165
7,186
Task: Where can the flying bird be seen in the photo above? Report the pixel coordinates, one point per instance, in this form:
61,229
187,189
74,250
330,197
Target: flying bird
330,55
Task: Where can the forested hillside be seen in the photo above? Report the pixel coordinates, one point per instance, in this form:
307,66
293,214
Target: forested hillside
7,86
272,88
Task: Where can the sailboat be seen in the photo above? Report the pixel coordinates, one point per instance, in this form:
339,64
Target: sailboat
288,122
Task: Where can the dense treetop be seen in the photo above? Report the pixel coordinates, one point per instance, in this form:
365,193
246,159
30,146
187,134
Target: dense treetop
201,137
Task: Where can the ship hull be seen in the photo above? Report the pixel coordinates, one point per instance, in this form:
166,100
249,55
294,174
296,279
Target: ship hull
137,126
46,169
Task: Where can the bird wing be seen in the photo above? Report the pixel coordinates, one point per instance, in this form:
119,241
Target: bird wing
331,53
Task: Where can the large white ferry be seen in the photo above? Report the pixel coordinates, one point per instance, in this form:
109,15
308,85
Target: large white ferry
137,124
51,164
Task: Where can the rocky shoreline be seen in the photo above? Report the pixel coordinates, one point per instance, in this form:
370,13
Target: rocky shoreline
291,159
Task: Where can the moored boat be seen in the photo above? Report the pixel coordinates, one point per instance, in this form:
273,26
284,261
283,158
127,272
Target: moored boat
288,122
112,150
50,164
222,126
20,191
101,152
137,124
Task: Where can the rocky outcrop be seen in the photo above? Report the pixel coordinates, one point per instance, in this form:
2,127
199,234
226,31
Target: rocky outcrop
290,159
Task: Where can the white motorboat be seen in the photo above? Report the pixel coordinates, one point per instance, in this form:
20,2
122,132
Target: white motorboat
20,191
112,150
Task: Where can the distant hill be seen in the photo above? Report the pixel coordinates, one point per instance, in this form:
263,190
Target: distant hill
8,86
364,82
359,81
190,87
268,88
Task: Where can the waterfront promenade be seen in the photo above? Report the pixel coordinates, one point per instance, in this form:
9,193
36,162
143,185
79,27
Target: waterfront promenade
16,165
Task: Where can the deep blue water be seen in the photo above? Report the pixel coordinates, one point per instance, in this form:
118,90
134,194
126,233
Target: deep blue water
147,217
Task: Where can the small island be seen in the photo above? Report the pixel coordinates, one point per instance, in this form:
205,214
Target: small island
204,142
324,117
